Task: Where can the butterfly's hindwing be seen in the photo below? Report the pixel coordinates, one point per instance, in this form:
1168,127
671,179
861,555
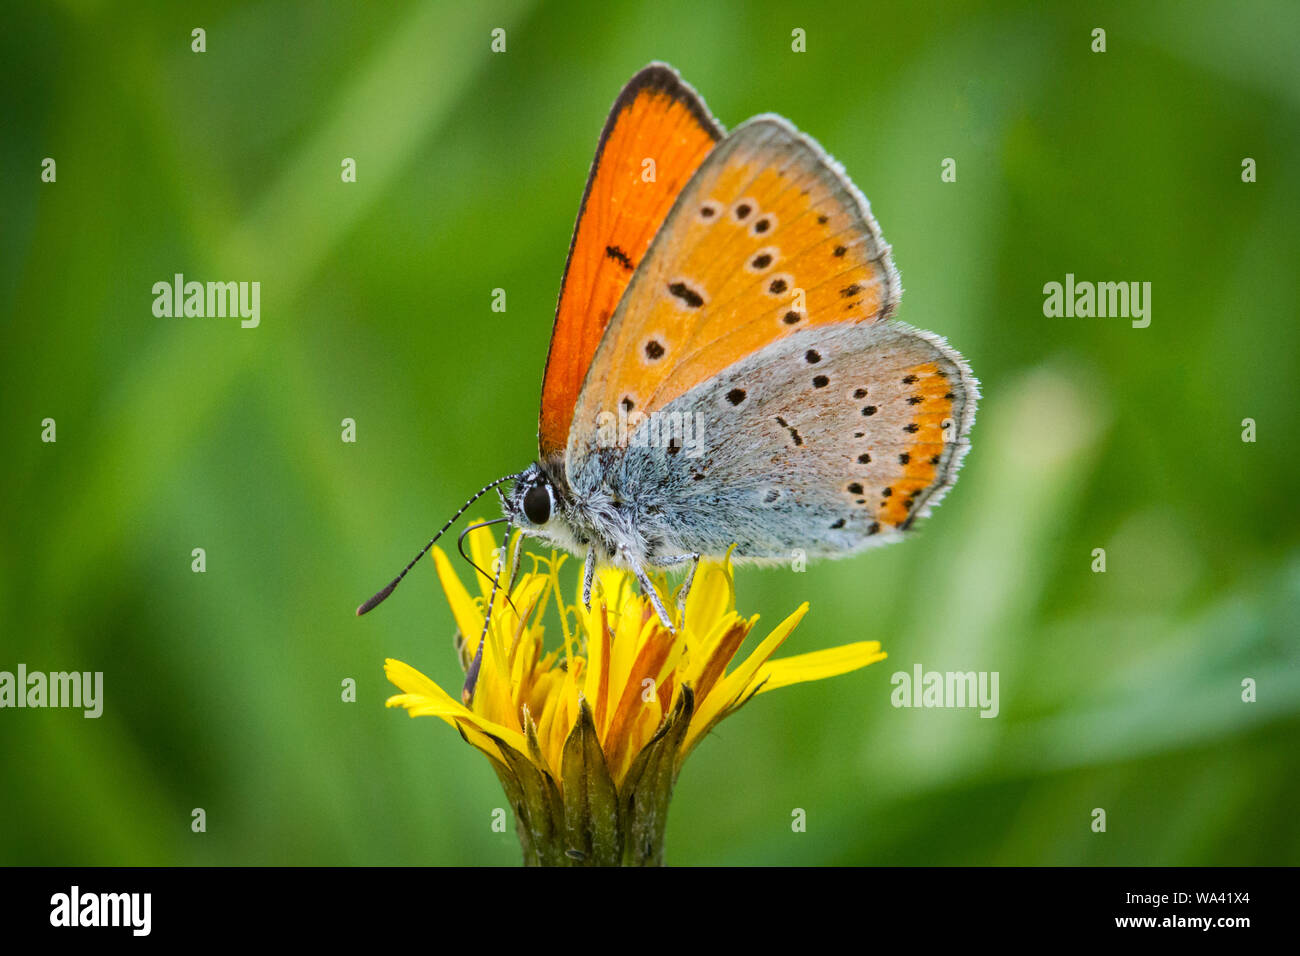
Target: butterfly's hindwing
830,440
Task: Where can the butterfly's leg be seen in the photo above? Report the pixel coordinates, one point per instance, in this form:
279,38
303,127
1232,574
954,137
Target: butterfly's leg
685,590
588,574
648,589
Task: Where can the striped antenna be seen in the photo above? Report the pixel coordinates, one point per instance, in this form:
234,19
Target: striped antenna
379,598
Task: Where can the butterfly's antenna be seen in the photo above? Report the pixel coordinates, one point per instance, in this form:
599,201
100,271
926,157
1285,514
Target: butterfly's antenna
382,595
471,673
460,546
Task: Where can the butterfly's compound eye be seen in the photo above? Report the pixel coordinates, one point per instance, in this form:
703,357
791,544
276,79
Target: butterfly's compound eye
537,504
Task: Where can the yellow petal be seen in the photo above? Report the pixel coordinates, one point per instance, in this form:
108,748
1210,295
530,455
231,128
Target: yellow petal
409,679
629,636
629,702
734,686
739,680
612,587
482,549
468,617
597,683
712,595
807,667
525,643
425,698
709,664
492,695
482,741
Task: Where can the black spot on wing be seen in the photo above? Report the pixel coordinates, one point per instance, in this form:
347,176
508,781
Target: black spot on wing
621,257
688,295
794,433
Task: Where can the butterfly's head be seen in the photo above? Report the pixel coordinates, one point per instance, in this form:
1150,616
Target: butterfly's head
533,501
539,504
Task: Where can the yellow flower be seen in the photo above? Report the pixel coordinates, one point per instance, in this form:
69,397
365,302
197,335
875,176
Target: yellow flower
588,738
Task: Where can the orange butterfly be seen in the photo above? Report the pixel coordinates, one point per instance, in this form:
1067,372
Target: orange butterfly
721,370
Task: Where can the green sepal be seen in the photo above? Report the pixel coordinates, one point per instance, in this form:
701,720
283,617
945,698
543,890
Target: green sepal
649,787
590,798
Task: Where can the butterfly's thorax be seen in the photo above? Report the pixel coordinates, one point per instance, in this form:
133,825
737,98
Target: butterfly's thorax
614,515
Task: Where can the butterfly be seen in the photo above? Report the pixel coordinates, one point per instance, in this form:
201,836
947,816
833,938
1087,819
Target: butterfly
724,373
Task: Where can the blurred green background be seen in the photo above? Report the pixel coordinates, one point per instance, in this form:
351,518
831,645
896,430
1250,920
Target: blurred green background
1119,690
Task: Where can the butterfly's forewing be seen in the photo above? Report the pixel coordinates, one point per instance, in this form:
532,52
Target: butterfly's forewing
768,238
657,135
770,277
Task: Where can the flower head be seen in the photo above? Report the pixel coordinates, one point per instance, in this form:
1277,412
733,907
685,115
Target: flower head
588,737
